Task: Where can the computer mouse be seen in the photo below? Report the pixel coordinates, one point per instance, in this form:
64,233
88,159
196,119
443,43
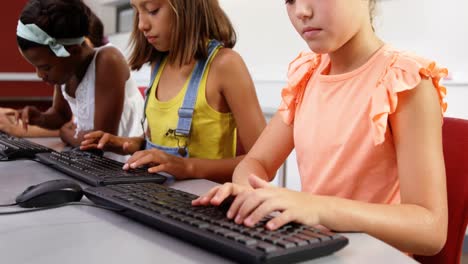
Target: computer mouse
50,193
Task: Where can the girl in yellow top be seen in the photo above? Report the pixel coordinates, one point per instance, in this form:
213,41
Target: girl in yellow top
200,95
365,120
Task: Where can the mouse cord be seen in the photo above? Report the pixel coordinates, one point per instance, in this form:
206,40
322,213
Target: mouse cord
58,206
31,210
6,205
97,206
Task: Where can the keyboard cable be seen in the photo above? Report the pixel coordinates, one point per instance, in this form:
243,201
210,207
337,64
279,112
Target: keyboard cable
56,206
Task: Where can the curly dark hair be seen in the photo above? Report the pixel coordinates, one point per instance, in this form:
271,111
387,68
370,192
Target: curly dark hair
58,18
96,30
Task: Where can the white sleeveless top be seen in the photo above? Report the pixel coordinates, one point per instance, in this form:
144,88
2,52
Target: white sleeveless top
83,105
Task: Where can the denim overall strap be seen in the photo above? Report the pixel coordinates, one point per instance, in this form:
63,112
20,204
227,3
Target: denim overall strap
186,111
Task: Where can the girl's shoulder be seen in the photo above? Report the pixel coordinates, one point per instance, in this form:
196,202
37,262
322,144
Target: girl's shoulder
110,67
402,71
110,60
225,59
300,71
306,61
226,65
109,53
403,60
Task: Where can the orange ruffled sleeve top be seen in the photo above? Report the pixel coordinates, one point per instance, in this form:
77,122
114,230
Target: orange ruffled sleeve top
343,144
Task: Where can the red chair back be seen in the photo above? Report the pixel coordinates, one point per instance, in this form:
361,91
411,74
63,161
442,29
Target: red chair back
142,90
455,144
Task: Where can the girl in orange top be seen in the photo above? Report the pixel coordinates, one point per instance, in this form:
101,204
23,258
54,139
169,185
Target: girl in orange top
365,120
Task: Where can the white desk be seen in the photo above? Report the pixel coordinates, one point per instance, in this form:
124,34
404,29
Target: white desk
81,234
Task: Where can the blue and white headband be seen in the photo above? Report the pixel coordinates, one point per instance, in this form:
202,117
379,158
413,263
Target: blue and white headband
35,34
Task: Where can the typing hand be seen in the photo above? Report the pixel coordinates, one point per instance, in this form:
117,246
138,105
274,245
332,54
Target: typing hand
160,161
7,111
29,115
109,142
8,124
250,207
218,194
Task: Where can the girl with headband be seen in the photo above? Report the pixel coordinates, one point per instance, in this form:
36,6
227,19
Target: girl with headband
8,124
91,84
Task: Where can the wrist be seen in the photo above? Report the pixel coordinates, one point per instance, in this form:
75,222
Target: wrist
136,144
129,145
141,143
190,168
325,209
39,121
240,178
14,131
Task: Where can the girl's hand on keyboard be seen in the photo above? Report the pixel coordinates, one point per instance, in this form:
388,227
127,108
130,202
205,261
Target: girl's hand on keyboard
250,207
8,124
29,115
160,161
218,194
109,142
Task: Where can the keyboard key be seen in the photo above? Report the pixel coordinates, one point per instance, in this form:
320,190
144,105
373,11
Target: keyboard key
296,240
266,247
285,244
308,239
315,234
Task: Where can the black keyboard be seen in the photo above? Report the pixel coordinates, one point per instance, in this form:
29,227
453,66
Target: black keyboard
169,210
17,148
95,169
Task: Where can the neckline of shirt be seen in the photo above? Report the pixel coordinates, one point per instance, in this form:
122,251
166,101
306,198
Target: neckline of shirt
350,74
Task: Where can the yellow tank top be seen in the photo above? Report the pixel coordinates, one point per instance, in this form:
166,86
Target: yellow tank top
213,134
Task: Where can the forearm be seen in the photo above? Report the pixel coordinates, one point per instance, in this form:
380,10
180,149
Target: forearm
246,167
67,135
51,120
410,228
138,143
215,170
35,131
8,124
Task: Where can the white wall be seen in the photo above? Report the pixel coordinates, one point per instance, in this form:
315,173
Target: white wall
107,13
267,42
